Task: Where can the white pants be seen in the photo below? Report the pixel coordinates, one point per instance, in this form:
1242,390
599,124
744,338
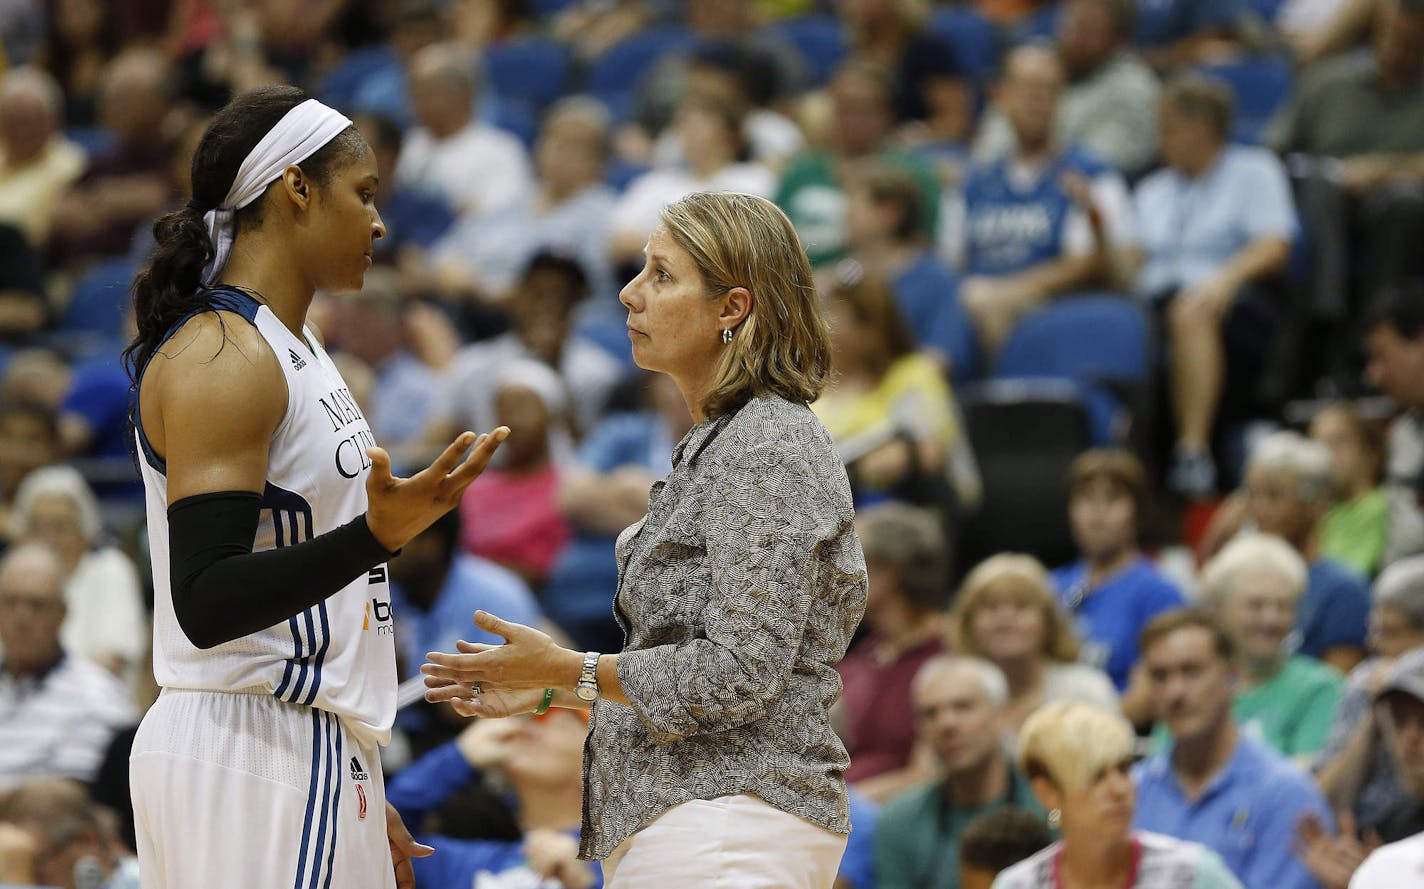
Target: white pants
736,842
236,791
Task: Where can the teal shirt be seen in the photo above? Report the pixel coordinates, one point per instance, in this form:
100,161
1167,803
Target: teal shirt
813,198
917,839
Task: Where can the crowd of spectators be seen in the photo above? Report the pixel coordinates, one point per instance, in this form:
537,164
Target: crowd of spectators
1191,227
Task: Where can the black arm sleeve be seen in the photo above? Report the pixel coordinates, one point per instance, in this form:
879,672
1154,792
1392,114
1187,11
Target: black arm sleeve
223,591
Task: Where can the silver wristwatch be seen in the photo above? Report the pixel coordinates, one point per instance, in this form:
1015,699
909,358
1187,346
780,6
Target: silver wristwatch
587,687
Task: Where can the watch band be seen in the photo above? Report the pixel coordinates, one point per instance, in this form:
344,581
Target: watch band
587,687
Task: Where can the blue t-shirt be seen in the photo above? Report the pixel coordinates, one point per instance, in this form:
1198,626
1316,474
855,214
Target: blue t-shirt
1110,617
858,862
1008,228
459,863
1334,611
473,584
1246,814
100,394
927,294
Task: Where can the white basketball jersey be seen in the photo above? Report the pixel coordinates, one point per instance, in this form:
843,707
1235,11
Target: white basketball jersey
340,654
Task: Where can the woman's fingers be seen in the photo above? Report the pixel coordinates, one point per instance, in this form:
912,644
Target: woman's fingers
450,457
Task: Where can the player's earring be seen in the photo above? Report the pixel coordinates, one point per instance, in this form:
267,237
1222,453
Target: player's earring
727,336
1055,818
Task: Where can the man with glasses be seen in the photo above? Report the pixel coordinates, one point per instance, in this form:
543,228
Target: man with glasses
57,711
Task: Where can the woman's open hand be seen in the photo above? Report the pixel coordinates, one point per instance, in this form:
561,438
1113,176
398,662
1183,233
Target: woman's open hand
528,659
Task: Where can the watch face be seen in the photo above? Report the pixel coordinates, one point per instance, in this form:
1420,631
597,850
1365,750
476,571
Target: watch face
585,693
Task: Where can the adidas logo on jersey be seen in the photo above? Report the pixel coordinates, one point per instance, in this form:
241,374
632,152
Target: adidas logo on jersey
357,772
297,361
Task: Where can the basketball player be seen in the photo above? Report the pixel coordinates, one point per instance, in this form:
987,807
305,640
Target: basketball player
271,514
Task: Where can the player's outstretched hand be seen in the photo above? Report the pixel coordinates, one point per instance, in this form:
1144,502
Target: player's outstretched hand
403,848
400,508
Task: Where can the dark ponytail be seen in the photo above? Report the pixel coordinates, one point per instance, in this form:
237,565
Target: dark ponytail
170,287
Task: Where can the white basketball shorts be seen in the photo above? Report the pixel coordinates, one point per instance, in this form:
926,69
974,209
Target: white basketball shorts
235,791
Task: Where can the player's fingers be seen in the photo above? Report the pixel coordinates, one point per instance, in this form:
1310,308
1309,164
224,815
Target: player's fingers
478,459
450,457
380,476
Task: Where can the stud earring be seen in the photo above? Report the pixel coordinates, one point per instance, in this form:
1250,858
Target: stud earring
727,336
1055,818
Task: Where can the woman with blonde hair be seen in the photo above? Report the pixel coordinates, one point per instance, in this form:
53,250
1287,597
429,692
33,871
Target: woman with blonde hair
1078,758
710,759
1006,612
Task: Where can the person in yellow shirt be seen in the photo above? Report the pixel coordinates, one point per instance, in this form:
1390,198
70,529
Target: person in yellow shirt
37,163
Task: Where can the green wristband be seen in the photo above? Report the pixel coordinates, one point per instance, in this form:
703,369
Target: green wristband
544,704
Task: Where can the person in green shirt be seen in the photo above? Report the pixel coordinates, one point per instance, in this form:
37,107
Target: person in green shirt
959,704
1253,587
1356,529
812,190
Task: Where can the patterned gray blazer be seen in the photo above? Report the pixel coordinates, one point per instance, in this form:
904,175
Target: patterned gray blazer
737,593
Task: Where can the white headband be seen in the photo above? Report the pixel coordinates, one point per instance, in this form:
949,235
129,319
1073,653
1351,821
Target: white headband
297,136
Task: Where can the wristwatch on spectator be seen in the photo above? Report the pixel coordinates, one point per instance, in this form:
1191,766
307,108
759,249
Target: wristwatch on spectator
587,687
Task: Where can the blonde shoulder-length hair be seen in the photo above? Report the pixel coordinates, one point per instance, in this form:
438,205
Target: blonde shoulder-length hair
783,346
1018,574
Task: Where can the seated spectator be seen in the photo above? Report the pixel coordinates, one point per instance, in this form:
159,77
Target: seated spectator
1352,118
1253,588
995,842
567,211
710,130
128,183
896,36
1034,223
747,75
1214,784
1356,529
1109,104
440,157
1078,758
106,621
510,514
407,397
1288,488
540,759
37,164
28,440
857,868
1006,611
73,839
811,190
1354,769
886,235
1394,343
80,41
414,220
1215,224
1346,859
57,710
888,408
959,704
550,289
1113,590
24,308
906,557
604,490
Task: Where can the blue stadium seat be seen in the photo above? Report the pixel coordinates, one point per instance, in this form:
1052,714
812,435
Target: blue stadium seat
1101,343
100,299
974,38
613,77
533,70
1260,84
821,41
341,86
